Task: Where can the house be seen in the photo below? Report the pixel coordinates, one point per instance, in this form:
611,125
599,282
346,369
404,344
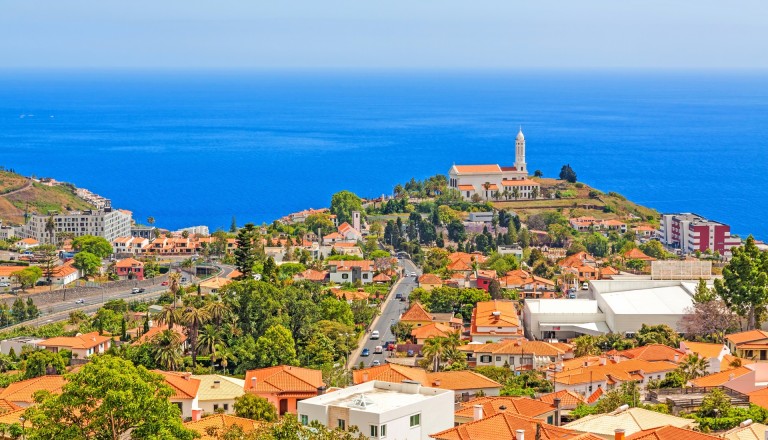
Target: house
645,232
129,245
495,320
746,431
568,400
632,420
405,410
517,354
212,427
529,286
218,393
283,386
316,276
429,281
129,269
717,355
507,425
81,346
22,393
154,331
608,375
64,274
750,344
382,278
418,316
185,393
464,384
26,244
212,286
490,406
351,271
419,335
727,377
670,433
637,254
652,353
350,233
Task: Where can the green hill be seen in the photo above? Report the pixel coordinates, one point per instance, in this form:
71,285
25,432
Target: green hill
18,194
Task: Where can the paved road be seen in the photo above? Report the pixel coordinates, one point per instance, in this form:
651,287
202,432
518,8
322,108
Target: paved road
391,311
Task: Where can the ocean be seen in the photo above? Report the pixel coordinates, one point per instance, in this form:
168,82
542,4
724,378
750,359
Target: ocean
191,148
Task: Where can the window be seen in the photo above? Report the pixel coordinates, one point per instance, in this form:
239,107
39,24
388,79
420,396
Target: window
304,419
374,431
342,424
383,431
226,407
415,420
345,276
485,358
365,276
215,406
498,358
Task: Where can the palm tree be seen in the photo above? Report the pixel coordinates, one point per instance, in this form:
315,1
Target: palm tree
693,367
433,350
194,318
210,339
535,192
174,282
516,193
217,311
169,315
166,350
50,228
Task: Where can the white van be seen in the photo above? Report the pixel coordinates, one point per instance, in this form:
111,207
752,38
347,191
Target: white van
375,334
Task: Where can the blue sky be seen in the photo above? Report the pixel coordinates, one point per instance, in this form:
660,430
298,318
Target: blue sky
393,34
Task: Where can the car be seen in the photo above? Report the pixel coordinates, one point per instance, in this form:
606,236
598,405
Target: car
390,345
375,363
572,295
5,284
142,290
183,279
378,350
135,290
413,274
80,301
375,334
585,286
365,352
402,299
398,296
410,353
164,283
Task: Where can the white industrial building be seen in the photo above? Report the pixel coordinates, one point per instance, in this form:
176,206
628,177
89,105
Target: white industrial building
619,306
403,411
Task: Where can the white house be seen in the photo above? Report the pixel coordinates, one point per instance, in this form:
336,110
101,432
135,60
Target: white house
494,182
64,274
351,271
129,245
403,411
185,393
218,393
26,244
81,345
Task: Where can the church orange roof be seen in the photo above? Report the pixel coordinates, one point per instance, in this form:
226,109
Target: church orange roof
477,169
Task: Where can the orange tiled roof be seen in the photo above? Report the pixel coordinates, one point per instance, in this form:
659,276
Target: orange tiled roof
483,314
720,378
417,312
430,278
568,399
517,346
147,337
524,406
312,275
747,336
504,425
23,391
759,397
670,433
7,405
222,422
654,352
84,341
459,266
637,254
448,380
620,371
382,278
283,379
182,384
595,396
431,330
477,169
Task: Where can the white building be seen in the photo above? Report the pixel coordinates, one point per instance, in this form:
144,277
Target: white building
403,411
351,271
218,393
494,182
620,306
18,344
192,230
108,223
129,245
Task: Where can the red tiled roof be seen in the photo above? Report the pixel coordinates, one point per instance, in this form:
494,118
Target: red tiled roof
283,379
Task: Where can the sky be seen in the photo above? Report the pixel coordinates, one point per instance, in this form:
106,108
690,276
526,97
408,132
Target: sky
376,34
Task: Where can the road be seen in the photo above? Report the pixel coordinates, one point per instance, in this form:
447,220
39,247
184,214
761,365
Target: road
391,311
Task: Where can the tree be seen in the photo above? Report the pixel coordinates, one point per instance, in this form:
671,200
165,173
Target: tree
585,345
109,398
32,310
194,318
43,362
715,403
233,225
657,334
166,350
343,203
251,406
28,276
48,260
567,174
276,347
19,310
693,366
209,340
538,173
402,330
88,263
456,231
744,286
654,249
98,246
245,254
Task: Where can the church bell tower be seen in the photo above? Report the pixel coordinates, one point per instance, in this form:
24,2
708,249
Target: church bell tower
520,152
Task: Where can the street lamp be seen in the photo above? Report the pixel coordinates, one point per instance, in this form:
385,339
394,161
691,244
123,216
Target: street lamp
23,421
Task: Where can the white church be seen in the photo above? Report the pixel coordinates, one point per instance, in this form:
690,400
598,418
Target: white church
494,182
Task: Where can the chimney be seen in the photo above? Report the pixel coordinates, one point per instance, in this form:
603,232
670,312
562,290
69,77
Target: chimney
557,410
520,434
436,382
477,413
186,376
603,361
365,377
253,382
745,423
586,363
216,384
618,434
321,390
677,358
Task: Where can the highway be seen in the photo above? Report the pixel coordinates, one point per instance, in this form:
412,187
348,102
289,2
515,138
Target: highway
391,311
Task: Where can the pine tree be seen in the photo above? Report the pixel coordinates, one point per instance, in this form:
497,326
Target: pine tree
233,226
245,254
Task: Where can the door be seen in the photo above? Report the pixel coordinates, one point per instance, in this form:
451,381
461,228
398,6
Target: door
283,406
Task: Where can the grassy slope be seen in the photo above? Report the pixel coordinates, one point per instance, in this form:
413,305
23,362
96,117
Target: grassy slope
580,205
40,198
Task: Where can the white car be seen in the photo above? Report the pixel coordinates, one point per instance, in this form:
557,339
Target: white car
80,301
376,363
375,334
5,284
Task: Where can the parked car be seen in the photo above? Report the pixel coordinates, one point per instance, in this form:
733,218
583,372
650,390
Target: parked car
164,283
398,295
402,299
585,286
365,352
80,301
572,295
135,290
375,334
375,363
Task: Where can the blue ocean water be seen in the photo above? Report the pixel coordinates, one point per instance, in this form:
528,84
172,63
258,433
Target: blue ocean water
197,148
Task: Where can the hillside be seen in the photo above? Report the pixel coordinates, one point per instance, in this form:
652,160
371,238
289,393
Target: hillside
575,201
17,193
